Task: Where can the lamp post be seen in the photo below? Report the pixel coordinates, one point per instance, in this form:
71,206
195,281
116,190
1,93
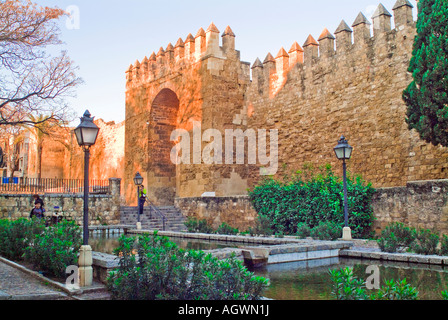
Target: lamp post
344,152
86,135
138,181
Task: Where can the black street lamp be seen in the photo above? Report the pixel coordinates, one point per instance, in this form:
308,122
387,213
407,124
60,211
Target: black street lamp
138,181
344,152
86,135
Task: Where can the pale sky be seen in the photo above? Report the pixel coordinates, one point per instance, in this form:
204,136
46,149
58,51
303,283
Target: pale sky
113,34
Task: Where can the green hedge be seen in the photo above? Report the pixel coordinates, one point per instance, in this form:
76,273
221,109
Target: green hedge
49,249
313,196
55,248
15,236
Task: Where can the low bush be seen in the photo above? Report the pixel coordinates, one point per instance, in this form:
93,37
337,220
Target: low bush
345,286
198,226
262,227
326,230
396,290
224,228
55,249
444,295
396,237
444,246
425,242
163,271
303,230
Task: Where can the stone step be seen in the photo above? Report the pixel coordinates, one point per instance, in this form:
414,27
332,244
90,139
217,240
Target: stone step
175,221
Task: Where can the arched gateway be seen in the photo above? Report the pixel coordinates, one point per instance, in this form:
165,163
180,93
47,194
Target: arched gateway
196,82
161,172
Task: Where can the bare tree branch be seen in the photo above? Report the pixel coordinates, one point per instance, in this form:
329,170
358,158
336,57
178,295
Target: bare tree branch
31,82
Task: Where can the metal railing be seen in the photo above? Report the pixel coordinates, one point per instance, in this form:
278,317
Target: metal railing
64,186
157,211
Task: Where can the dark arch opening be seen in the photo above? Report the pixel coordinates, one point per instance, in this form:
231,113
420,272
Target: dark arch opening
161,171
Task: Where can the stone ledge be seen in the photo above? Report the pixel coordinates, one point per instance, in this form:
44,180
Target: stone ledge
399,257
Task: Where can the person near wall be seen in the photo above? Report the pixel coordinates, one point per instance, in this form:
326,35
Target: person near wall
37,212
141,199
37,199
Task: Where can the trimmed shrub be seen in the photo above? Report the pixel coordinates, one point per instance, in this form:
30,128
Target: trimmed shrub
396,237
311,197
425,242
198,226
326,230
303,231
163,271
444,246
224,228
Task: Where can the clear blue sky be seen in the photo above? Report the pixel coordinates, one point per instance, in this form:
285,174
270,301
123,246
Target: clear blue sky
114,34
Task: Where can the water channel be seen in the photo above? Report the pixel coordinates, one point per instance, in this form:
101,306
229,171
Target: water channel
310,280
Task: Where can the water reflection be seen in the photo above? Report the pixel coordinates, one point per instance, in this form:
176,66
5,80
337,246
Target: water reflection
311,281
107,244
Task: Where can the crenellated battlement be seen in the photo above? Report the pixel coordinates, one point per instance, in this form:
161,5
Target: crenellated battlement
193,49
364,35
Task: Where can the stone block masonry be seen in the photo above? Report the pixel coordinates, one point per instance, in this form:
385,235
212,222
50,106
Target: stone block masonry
420,204
352,89
103,209
348,83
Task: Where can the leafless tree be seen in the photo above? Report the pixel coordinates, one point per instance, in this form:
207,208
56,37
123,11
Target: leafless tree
32,82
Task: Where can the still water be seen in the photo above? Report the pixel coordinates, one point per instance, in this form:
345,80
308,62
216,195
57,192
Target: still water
108,244
309,280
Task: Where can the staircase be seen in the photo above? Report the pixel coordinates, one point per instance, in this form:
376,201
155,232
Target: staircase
174,221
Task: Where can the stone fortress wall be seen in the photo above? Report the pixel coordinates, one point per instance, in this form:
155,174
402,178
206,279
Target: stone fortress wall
349,83
336,86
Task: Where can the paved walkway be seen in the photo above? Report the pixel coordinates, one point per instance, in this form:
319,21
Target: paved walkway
18,285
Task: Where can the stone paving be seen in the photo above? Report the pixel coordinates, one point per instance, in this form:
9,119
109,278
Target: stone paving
17,285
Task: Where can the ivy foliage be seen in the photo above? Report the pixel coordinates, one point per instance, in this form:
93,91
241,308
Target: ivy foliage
313,196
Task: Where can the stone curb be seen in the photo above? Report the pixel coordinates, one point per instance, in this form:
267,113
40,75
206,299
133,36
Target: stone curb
399,257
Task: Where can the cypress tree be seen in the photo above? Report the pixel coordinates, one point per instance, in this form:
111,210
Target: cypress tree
427,96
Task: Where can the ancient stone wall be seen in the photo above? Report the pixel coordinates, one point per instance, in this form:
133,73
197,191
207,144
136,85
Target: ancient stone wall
103,209
420,204
236,211
348,83
106,156
336,86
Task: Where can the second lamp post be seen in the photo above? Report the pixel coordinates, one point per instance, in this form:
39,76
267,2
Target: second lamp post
344,152
138,181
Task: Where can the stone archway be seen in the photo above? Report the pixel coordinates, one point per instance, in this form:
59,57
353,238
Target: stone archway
161,173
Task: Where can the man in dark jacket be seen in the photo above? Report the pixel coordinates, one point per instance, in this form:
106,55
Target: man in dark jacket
37,212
